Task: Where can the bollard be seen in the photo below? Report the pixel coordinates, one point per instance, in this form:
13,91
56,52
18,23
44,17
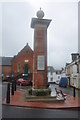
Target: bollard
73,91
8,93
15,85
12,90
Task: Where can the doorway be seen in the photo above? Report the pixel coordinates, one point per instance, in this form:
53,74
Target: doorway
26,68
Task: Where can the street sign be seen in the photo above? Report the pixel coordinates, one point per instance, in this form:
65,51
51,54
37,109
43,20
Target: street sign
25,75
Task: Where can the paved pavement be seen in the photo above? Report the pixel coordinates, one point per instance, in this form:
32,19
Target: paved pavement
24,112
19,100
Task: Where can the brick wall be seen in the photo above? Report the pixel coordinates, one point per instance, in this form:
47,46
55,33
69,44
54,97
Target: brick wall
20,58
40,49
6,70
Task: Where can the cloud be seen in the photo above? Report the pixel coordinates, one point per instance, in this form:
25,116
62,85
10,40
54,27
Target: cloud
62,33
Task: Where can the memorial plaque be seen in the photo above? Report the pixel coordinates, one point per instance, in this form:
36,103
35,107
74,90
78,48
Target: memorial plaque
40,62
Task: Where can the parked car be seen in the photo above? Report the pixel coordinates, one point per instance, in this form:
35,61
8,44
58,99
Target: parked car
63,82
21,81
28,82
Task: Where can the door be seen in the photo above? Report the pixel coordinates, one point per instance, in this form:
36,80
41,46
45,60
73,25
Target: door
26,68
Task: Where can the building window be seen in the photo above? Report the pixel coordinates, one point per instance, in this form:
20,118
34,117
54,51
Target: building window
51,73
77,64
58,77
18,67
77,68
51,78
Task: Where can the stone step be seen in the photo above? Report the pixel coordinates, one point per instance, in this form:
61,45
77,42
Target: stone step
41,99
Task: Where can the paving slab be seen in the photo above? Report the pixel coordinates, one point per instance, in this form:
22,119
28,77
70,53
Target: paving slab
18,100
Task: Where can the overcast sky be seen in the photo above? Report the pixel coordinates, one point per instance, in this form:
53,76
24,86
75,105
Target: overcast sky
62,32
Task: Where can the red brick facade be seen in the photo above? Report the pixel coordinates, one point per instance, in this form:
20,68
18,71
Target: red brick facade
40,26
40,49
25,56
6,70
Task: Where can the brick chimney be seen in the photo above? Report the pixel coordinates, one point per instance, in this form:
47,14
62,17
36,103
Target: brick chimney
75,56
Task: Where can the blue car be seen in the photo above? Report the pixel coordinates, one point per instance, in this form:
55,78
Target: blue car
63,82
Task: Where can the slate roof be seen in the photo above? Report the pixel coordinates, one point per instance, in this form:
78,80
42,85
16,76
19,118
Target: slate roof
58,71
6,61
50,69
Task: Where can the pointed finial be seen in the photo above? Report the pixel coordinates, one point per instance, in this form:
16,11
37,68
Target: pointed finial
40,8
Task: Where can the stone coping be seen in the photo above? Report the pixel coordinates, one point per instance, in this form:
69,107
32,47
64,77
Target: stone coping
32,98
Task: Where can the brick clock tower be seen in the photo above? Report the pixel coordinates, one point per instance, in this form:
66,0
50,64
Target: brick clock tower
40,26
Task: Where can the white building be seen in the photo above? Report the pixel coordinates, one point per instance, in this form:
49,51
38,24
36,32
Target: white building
53,75
73,71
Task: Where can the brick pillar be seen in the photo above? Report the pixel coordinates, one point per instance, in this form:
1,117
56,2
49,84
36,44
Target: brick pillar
40,52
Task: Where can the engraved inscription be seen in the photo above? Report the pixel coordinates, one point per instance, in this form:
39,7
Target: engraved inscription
40,62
